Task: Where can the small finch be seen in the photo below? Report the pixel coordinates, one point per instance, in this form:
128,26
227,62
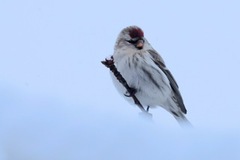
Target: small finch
146,73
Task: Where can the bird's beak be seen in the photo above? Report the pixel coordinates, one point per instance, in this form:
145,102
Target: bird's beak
139,44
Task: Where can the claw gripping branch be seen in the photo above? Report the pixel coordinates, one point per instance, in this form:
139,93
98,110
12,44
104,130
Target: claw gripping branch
109,63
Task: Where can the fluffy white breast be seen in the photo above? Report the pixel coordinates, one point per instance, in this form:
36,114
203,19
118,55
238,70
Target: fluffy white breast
144,75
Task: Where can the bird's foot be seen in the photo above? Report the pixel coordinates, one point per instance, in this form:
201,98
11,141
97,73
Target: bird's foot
131,92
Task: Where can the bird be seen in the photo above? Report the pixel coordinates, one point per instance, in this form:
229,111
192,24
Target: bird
146,73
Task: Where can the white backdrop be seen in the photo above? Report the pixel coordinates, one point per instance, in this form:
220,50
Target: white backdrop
57,100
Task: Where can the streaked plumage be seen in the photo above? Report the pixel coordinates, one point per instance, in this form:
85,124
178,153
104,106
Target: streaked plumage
145,71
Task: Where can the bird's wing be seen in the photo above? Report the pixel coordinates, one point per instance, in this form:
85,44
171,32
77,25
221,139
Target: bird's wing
157,59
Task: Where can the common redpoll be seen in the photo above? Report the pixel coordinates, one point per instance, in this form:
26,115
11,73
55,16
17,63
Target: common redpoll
145,72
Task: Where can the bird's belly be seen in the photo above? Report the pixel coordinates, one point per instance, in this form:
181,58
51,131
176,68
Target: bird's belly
152,89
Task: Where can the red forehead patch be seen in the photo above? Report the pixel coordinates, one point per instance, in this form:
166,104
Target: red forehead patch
136,32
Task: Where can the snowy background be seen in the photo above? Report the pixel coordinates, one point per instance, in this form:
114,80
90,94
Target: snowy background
57,101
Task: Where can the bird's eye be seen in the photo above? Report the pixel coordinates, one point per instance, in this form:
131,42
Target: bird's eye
133,40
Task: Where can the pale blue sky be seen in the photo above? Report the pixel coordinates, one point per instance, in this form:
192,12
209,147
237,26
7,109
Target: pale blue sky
57,100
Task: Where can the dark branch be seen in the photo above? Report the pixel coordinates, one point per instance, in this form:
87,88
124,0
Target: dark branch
109,63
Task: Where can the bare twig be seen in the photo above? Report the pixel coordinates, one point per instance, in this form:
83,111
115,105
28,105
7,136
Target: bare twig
109,63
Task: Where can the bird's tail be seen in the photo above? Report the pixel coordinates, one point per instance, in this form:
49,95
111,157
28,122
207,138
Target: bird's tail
178,114
182,120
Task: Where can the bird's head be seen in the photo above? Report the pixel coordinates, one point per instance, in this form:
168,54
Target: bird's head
131,37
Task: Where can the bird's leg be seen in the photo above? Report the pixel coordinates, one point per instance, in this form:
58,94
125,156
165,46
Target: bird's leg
148,108
131,92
